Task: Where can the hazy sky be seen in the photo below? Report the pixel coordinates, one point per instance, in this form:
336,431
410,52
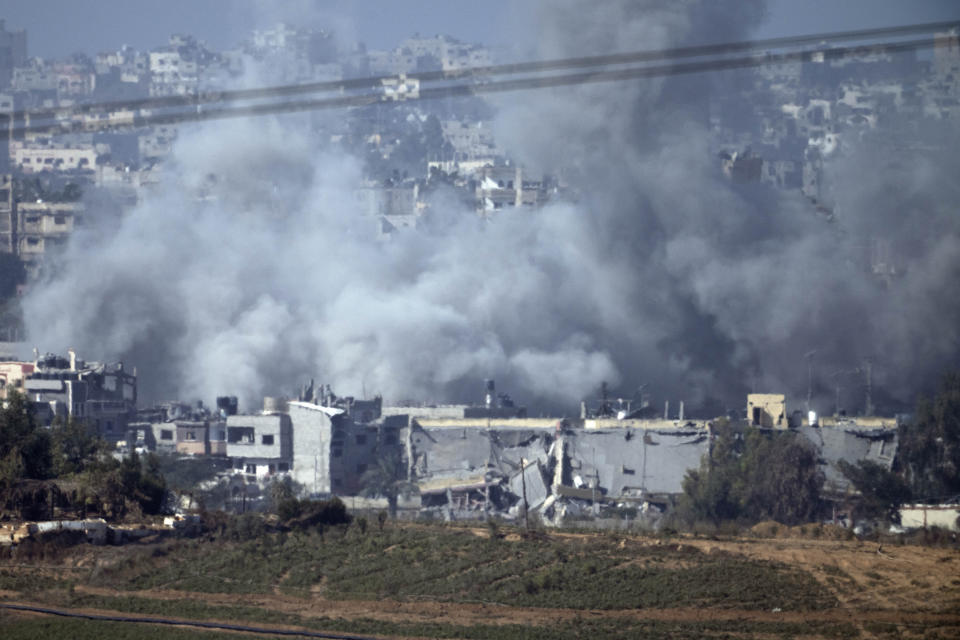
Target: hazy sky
60,27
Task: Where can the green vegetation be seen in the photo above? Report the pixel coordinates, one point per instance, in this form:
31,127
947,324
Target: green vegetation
754,475
929,449
67,466
456,565
881,491
41,628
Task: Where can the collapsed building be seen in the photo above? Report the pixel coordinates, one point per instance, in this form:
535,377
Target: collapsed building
473,461
474,467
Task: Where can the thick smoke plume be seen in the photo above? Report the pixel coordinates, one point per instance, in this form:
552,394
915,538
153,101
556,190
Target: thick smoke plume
249,269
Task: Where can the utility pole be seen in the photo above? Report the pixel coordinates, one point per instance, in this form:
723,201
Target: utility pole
868,372
596,481
486,485
523,483
809,357
836,401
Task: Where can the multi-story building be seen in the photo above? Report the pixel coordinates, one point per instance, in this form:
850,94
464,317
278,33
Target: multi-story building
8,222
43,228
12,374
103,395
260,445
505,186
13,52
172,73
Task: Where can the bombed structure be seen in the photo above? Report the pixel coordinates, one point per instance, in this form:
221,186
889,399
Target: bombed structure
464,461
485,459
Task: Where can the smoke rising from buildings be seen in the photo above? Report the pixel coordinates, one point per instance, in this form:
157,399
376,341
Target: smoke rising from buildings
249,269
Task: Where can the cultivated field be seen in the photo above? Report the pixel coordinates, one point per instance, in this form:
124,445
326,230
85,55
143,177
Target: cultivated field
432,581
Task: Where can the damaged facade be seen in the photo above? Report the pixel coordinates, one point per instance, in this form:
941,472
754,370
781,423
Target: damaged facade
103,395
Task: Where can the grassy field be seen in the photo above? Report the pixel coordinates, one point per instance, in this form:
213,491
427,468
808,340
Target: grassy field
437,581
456,565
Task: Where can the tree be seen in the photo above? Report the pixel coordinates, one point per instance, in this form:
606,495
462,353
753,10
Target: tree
754,475
25,448
711,492
929,449
881,491
75,447
385,480
133,484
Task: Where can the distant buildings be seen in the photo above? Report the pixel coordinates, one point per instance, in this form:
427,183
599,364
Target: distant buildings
13,52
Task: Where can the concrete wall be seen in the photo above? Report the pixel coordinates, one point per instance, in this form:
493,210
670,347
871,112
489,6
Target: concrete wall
193,438
655,425
311,428
624,462
264,428
165,435
944,516
767,410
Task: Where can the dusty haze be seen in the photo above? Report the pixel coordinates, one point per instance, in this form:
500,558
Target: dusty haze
249,270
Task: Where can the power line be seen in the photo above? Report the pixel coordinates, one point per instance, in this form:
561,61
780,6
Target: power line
507,69
223,111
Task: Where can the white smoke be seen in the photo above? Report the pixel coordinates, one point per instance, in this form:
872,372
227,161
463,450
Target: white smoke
250,270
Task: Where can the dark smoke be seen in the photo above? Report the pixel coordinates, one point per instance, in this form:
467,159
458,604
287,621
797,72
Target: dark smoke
249,270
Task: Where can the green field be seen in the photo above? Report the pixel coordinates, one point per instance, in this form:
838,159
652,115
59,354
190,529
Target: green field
577,576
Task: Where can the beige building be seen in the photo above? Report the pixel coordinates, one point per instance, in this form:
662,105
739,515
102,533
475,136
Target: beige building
12,375
43,227
767,410
31,158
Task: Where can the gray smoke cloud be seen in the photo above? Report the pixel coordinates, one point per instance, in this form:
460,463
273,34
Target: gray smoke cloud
249,269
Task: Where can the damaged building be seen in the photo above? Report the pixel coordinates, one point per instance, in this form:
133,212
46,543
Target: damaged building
474,461
103,395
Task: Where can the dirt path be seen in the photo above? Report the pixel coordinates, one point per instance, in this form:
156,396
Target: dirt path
495,614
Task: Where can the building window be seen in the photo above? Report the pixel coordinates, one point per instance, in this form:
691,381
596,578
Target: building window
337,483
267,439
361,469
251,468
166,434
361,439
336,452
191,436
283,467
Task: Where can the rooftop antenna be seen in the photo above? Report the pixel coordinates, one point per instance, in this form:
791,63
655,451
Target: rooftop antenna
836,378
